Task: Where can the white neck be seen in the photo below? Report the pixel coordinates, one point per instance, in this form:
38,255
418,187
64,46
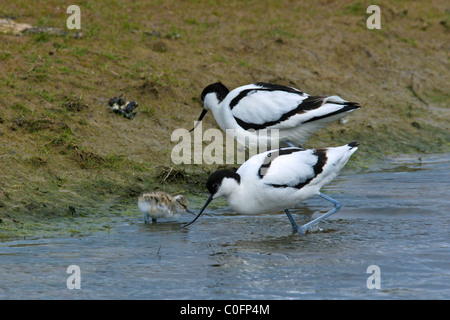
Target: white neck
227,187
211,102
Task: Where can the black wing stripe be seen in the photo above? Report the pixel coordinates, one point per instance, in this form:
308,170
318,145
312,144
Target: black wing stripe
309,103
238,98
318,169
264,86
272,156
278,87
347,107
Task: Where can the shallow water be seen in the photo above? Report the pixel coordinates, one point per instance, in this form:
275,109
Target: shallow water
395,217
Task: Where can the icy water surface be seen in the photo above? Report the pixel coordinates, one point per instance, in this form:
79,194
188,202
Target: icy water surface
395,217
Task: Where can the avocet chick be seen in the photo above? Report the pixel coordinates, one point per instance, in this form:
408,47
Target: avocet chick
162,205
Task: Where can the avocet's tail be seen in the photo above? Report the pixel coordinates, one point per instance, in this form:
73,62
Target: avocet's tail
316,113
332,108
336,159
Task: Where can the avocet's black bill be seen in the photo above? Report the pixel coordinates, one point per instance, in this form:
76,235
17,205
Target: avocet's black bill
201,211
202,115
191,212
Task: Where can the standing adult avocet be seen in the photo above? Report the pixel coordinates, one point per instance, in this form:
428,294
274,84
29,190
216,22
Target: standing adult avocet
250,109
279,180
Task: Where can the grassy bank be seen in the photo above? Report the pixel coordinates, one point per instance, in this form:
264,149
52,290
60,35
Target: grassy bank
65,155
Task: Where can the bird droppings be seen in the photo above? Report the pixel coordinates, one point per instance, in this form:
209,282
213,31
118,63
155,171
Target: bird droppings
121,106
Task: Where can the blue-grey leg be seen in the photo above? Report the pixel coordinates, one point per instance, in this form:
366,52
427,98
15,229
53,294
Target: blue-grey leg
305,227
147,220
291,219
337,207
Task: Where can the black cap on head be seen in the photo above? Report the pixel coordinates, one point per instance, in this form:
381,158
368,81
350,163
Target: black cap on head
213,184
218,88
215,179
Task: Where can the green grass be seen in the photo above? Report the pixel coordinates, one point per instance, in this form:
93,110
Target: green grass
41,37
438,97
5,55
80,51
20,109
356,8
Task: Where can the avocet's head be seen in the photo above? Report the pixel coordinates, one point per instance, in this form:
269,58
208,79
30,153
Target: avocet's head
221,183
182,203
211,97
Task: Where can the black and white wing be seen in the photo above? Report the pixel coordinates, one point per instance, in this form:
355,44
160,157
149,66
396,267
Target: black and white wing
292,167
296,167
265,105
